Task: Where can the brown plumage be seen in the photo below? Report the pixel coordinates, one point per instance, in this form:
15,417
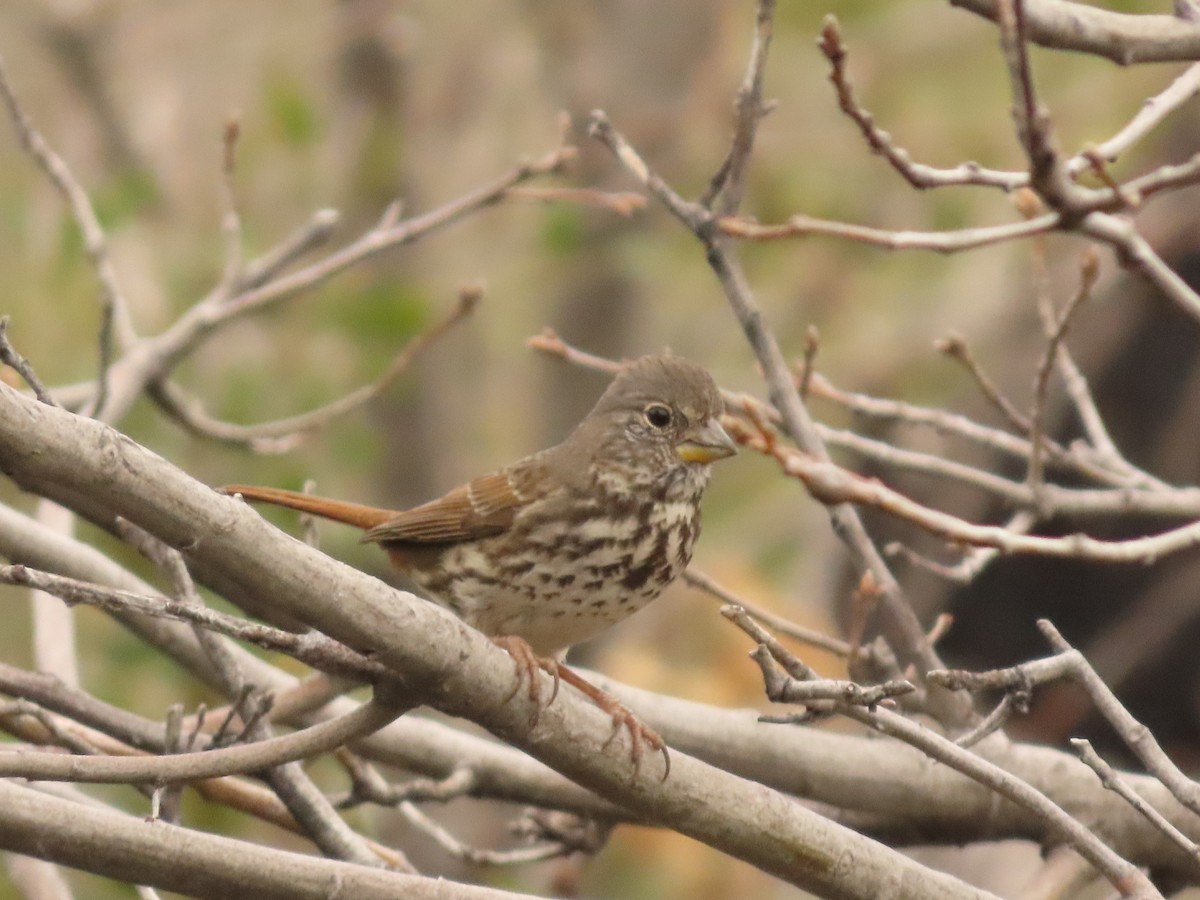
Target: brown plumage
560,545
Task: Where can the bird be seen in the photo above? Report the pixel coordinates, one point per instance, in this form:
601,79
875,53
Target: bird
559,546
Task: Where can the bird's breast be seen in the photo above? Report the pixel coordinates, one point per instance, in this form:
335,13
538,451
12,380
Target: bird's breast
556,579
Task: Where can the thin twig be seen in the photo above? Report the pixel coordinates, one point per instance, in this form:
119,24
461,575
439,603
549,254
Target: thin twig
728,184
368,786
973,562
832,485
1135,254
623,203
158,356
1136,736
63,734
183,589
309,531
315,233
773,656
1057,332
116,329
811,636
231,221
1047,173
209,764
812,344
994,720
955,346
1073,379
956,241
459,850
165,799
1132,494
1069,663
1148,117
1111,779
281,435
10,357
918,175
313,649
550,343
394,235
960,426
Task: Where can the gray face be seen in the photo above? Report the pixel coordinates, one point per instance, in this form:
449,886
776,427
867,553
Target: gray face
652,406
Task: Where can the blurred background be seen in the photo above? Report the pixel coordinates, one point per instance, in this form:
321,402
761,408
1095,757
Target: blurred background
352,104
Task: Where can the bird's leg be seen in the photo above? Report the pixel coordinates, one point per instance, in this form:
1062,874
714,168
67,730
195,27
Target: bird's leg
527,664
622,717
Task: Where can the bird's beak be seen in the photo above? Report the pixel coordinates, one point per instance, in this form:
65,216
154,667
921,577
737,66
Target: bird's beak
705,443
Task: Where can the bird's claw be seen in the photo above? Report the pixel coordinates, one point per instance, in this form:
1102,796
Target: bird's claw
527,663
639,734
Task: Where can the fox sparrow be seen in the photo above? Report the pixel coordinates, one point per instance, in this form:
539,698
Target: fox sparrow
555,548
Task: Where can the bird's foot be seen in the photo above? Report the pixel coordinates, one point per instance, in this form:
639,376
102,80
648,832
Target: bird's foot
528,663
640,734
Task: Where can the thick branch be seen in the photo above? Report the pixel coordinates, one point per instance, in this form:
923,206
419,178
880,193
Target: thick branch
1123,38
195,863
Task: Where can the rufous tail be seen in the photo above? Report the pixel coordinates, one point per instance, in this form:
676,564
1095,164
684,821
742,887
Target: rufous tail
349,513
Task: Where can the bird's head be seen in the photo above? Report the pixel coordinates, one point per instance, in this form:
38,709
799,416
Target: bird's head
659,419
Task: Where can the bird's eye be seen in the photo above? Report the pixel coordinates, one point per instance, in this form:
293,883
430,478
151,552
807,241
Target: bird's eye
657,415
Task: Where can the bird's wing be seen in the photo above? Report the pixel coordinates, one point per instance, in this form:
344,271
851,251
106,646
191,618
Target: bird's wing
478,509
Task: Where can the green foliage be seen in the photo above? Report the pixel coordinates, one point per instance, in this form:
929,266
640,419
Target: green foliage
130,195
562,230
354,438
291,111
240,394
380,314
70,247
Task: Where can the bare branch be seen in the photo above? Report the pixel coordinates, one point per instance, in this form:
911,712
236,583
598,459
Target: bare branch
195,862
623,203
1135,253
995,719
231,222
918,175
1136,736
974,561
388,236
810,636
937,241
281,435
1056,334
10,357
313,649
963,427
170,561
955,347
1114,782
1047,172
1124,38
454,667
313,234
831,484
1130,881
728,184
116,325
459,850
208,764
